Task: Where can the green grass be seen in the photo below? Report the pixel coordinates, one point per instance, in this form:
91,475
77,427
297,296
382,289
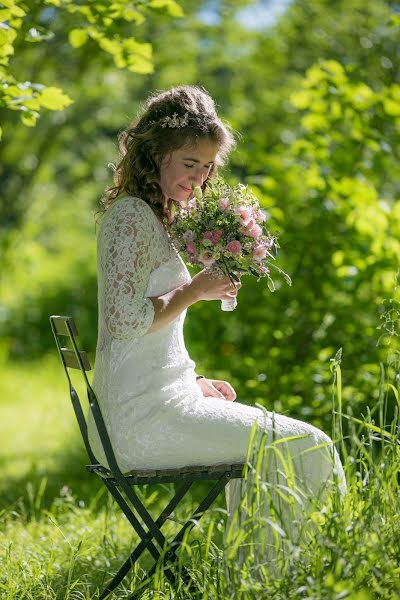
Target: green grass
61,537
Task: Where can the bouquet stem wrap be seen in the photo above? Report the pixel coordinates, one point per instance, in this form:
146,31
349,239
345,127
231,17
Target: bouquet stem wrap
228,305
216,272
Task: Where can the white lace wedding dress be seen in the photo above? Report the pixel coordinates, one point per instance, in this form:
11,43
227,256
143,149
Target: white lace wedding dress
154,410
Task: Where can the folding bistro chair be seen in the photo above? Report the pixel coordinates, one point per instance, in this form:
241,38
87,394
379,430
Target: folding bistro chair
121,485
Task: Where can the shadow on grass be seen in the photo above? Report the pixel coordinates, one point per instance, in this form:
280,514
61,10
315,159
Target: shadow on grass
68,469
63,469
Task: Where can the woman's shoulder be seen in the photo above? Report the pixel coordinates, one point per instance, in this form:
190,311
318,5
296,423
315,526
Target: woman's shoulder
130,206
128,202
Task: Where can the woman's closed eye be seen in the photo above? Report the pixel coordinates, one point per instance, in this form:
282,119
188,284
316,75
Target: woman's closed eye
190,166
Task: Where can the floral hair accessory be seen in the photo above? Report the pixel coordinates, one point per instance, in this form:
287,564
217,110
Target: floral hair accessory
175,121
172,121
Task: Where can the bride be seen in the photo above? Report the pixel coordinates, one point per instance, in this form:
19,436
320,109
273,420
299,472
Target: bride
158,411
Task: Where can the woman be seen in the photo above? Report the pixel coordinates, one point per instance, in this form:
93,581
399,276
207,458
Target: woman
159,413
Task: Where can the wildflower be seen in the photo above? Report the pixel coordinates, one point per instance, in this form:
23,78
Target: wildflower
188,236
259,252
191,248
223,204
260,215
206,258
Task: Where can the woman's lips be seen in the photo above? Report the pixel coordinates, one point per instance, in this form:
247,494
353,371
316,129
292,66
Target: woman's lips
185,188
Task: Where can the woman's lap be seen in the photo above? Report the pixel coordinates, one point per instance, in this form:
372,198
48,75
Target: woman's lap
214,431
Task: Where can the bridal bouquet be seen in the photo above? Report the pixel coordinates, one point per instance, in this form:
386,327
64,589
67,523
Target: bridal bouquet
225,230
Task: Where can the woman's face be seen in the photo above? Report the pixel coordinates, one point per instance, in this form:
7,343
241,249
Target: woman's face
182,168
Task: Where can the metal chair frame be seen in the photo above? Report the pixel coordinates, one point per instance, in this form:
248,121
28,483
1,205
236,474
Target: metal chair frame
121,485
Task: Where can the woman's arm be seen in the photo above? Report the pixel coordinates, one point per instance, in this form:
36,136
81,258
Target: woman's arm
170,305
203,286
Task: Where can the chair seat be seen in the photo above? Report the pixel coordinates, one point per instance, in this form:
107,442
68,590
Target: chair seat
191,472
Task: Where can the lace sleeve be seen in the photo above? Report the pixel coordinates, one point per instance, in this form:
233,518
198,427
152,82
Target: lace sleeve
126,252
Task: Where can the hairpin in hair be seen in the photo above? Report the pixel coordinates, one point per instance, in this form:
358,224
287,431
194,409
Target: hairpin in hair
172,120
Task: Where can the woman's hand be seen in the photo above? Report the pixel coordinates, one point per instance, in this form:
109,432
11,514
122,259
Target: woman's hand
217,389
206,285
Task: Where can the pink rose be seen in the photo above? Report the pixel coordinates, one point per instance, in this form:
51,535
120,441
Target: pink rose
207,235
260,216
250,224
216,236
190,247
206,258
259,252
255,231
223,204
244,214
234,246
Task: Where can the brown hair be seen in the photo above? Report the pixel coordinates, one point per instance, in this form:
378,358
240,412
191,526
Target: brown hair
145,142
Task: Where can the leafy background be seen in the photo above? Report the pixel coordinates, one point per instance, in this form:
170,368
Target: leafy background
314,98
312,89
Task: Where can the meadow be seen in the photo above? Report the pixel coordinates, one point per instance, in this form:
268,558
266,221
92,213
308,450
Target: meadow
61,537
313,96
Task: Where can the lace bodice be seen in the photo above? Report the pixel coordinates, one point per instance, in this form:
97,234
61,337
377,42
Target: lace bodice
127,253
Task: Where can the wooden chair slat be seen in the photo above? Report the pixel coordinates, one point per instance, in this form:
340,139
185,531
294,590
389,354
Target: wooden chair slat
71,360
196,469
60,325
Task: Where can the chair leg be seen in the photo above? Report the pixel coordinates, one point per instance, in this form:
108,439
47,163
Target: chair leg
171,549
198,513
170,554
146,541
126,509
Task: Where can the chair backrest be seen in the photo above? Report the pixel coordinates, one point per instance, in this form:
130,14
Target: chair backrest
72,358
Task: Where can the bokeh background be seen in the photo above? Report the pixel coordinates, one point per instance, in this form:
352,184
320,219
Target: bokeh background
311,88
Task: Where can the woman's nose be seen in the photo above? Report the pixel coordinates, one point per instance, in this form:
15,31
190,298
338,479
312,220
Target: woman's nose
198,178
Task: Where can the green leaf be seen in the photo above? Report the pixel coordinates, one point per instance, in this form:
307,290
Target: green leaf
29,119
77,37
137,64
54,99
171,6
130,14
301,99
17,11
314,122
3,37
32,104
144,49
110,45
391,107
5,14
